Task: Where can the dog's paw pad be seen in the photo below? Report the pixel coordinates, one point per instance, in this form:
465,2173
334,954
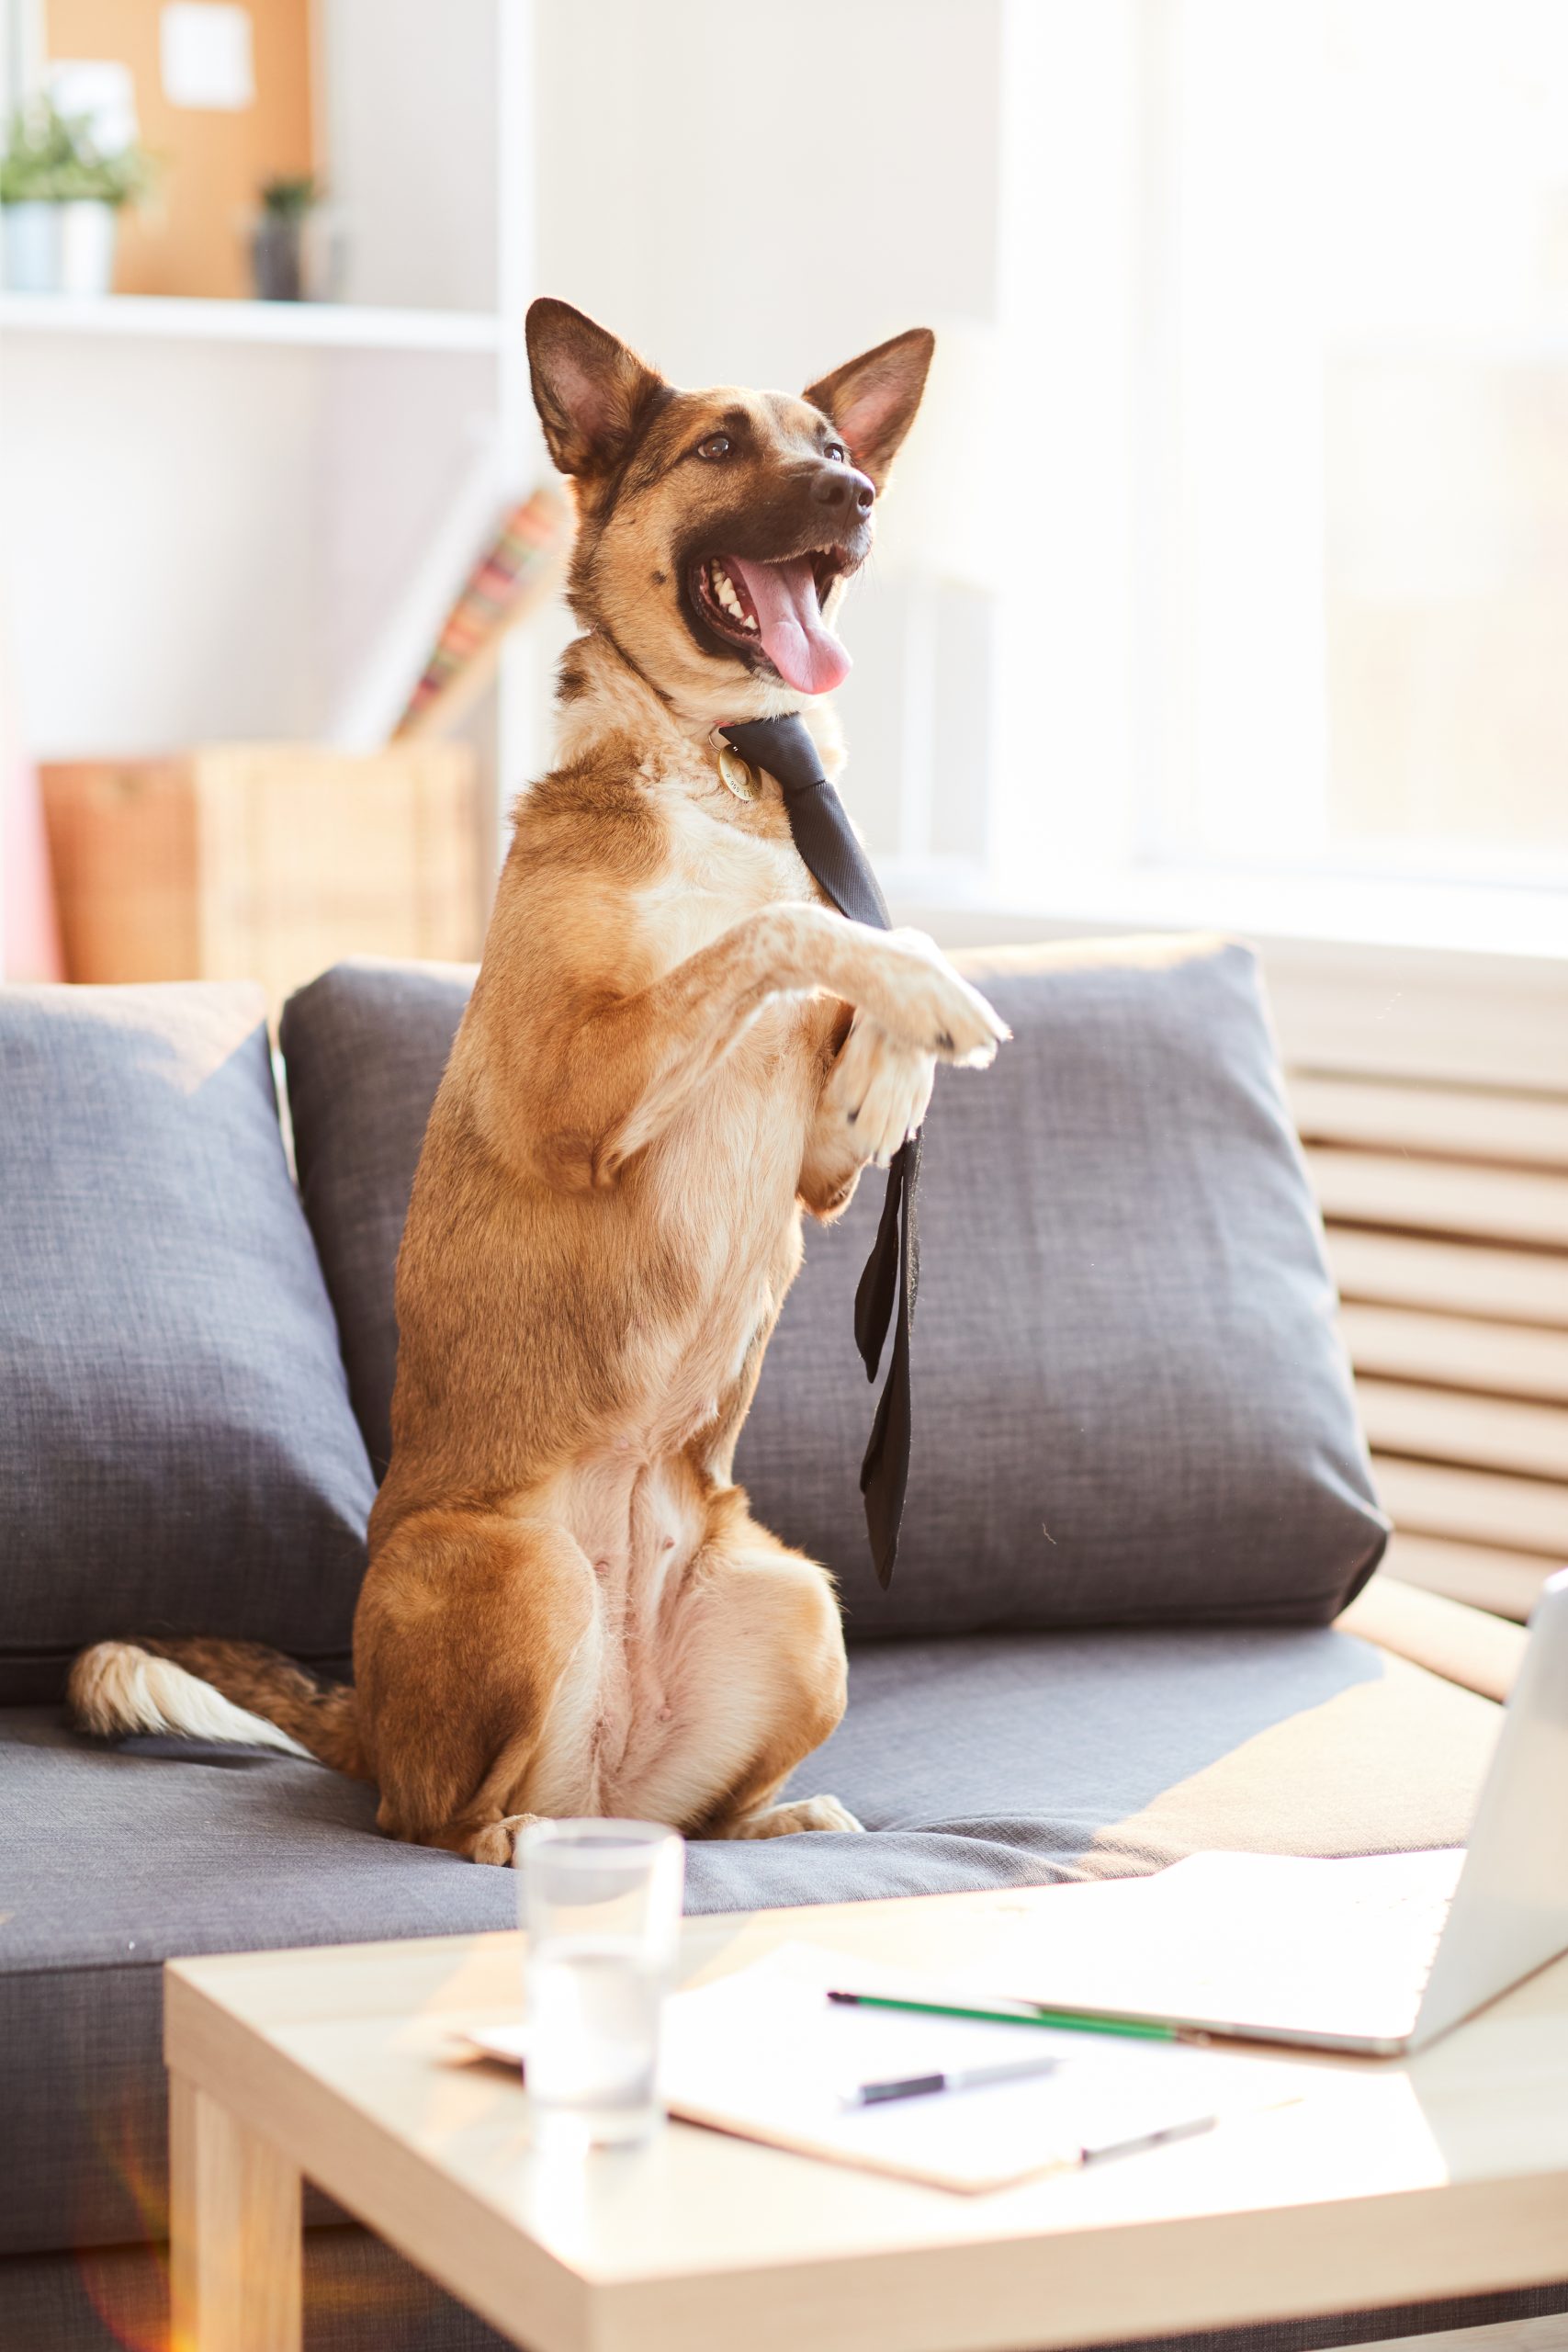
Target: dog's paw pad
497,1842
826,1813
795,1814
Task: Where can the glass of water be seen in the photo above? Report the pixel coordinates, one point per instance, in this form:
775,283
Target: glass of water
601,1905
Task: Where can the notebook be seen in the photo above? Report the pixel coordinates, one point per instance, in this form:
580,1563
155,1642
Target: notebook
762,2053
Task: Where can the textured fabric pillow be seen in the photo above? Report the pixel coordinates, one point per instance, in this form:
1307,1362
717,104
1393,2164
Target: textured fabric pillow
1131,1403
365,1047
177,1449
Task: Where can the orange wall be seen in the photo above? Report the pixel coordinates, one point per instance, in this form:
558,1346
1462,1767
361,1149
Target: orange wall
191,237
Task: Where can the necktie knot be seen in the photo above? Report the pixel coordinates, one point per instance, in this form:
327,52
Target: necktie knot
783,746
821,831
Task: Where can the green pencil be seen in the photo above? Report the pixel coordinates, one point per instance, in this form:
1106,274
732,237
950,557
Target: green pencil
1026,2013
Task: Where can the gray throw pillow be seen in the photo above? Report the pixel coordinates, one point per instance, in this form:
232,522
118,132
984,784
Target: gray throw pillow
1131,1403
365,1047
178,1449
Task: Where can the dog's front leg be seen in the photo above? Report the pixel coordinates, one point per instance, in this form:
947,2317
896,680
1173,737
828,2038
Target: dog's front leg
615,1081
872,1100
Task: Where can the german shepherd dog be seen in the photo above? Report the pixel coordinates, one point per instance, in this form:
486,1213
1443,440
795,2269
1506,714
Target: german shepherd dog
673,1048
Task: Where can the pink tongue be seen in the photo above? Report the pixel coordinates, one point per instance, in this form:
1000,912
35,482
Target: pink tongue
795,638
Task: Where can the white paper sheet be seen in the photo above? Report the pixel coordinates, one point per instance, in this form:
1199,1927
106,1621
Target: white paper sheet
763,2053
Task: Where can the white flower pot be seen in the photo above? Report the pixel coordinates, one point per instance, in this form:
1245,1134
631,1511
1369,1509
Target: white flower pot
87,233
60,248
32,247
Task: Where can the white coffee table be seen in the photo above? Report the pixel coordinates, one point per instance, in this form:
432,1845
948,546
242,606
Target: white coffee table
1388,2183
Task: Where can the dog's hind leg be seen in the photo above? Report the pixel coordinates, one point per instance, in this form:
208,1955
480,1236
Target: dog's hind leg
467,1626
755,1679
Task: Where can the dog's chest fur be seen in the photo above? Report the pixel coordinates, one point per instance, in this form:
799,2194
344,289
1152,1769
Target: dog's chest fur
726,859
723,1173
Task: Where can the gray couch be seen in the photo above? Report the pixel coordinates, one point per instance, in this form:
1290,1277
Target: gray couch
1139,1504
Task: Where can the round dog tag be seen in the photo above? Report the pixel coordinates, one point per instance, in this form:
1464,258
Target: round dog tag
738,775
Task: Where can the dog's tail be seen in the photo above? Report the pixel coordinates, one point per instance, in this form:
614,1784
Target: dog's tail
236,1692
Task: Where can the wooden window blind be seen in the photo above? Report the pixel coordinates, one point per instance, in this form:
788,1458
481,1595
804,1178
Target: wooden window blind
1446,1209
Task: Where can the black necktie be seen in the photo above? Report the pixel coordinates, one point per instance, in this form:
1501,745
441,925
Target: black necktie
826,843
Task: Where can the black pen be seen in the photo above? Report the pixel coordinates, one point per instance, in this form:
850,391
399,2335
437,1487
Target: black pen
964,2078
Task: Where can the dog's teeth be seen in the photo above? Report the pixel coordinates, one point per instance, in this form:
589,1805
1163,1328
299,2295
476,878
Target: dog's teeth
751,620
724,591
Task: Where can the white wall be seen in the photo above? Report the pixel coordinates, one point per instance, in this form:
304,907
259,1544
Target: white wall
153,568
201,541
752,194
407,118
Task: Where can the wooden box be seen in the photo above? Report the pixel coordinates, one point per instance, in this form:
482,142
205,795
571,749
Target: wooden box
266,861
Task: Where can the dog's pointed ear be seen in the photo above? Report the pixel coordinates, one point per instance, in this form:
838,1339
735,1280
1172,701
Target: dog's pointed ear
873,400
592,391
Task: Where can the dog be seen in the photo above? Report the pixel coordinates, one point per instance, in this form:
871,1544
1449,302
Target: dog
674,1048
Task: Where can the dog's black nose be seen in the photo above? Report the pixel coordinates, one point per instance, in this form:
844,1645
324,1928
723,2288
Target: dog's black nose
843,490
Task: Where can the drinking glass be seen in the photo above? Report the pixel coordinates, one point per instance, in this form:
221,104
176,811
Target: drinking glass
600,1904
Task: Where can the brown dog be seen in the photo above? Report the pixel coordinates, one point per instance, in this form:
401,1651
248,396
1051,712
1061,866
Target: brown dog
674,1047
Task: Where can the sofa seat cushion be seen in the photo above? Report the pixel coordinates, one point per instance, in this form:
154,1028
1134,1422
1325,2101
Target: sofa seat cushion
1131,1401
979,1763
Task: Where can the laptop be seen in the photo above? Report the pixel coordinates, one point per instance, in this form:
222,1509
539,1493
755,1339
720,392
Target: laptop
1378,1955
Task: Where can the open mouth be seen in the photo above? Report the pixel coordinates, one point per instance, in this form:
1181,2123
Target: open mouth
771,613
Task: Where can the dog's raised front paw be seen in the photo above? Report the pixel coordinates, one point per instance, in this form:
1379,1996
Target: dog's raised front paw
881,1088
934,1008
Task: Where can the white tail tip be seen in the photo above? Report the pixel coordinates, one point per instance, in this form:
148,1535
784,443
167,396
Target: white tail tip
115,1686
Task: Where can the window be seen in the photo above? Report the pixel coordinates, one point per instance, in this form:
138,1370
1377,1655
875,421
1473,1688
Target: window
1284,351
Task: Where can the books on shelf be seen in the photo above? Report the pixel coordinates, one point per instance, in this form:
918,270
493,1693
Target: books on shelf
513,577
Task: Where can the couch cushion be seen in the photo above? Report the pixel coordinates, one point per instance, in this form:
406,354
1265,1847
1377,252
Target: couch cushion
987,1762
178,1449
1130,1399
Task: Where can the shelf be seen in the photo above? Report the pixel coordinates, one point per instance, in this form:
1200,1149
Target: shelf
327,325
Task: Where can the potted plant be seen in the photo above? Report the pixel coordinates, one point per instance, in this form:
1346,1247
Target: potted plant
279,237
59,201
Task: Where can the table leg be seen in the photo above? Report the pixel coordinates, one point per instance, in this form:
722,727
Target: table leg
234,2247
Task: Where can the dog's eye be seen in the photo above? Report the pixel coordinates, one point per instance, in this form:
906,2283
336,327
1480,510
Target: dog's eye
836,451
716,446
